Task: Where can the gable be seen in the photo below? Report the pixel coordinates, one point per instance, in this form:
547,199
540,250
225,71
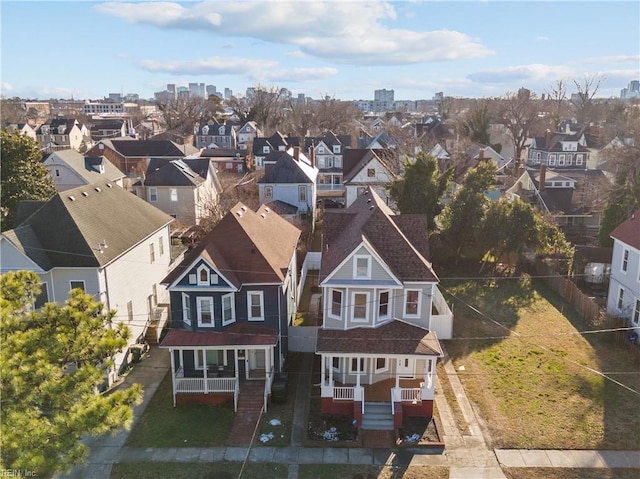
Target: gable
13,259
372,171
378,272
200,275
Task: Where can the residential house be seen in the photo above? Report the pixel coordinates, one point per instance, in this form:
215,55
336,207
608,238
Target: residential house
624,283
70,169
328,153
290,179
62,134
104,129
211,134
558,150
233,298
246,134
24,128
576,199
132,156
367,168
226,160
262,146
383,315
188,190
104,240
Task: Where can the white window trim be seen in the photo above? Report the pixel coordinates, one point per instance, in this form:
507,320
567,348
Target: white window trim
153,192
152,253
161,246
361,363
353,306
173,194
624,265
404,306
339,363
268,191
388,315
230,296
302,194
620,299
330,312
355,266
84,286
250,294
199,300
199,281
382,369
635,317
186,307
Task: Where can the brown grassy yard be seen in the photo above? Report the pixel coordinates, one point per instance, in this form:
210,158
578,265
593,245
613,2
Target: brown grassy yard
533,375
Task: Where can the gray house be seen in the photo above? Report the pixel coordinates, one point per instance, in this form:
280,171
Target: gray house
233,298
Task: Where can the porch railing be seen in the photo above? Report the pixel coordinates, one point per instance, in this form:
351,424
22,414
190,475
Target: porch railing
410,394
198,385
343,393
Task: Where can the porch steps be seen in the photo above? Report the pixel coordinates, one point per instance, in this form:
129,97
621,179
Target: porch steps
377,416
250,402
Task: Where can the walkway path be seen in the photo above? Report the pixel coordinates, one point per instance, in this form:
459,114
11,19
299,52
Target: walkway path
467,453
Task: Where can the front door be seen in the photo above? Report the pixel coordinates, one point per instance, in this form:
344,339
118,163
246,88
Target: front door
405,368
257,359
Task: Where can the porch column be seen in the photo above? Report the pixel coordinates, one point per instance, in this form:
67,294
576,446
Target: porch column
396,373
358,371
330,358
206,370
173,376
235,359
267,363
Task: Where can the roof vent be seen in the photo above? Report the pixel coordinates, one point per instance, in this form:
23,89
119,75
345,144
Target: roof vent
371,207
108,185
266,208
84,193
72,198
243,208
239,213
263,215
366,192
97,189
368,200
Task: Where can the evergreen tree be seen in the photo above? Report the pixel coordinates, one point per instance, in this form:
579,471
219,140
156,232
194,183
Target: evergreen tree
23,175
52,361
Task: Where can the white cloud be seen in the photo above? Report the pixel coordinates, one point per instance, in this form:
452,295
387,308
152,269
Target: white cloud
5,87
542,38
614,59
208,66
348,32
522,73
301,74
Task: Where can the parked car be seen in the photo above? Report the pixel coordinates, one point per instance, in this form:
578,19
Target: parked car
330,203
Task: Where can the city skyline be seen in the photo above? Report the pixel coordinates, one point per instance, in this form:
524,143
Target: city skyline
345,50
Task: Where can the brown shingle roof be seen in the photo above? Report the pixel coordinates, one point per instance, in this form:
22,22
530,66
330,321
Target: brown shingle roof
246,247
237,334
368,218
395,337
629,231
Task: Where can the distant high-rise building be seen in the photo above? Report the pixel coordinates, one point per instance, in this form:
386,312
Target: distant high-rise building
182,92
196,90
115,97
384,96
632,90
251,91
211,90
132,97
228,93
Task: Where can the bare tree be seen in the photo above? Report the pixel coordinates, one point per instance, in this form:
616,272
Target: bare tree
183,114
12,110
582,104
556,103
335,115
518,112
265,106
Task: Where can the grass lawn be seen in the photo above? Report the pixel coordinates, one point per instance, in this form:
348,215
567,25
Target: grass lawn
177,470
527,369
334,471
187,425
564,473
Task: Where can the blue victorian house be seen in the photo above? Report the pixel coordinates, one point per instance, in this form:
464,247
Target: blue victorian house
232,300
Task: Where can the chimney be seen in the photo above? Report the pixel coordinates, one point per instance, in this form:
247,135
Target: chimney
547,139
296,153
481,154
312,156
543,176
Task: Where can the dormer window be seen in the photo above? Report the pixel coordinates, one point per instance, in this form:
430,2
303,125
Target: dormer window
265,149
204,278
221,130
205,130
362,267
336,149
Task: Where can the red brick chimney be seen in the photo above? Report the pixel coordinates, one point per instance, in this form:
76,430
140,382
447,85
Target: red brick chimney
481,154
312,156
296,152
547,139
543,176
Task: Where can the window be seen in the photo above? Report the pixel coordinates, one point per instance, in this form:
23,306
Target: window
412,303
383,305
203,276
538,155
579,159
381,365
561,161
371,172
362,267
302,194
357,365
625,260
57,172
42,298
620,299
255,305
130,311
173,193
337,180
186,309
161,245
228,309
152,253
636,312
153,195
336,149
205,311
359,309
335,363
569,160
77,285
552,161
265,149
268,191
336,304
321,149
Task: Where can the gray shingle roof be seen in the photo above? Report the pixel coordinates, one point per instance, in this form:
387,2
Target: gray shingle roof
285,170
67,230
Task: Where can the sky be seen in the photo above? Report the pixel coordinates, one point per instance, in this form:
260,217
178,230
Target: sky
340,49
